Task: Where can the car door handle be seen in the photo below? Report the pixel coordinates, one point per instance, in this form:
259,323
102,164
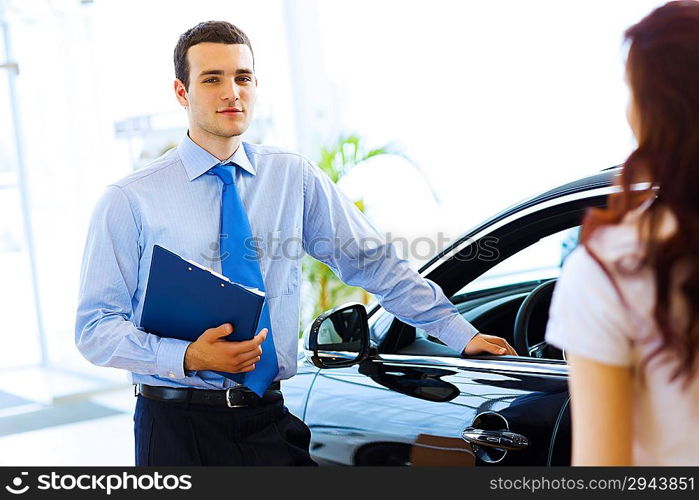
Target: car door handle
502,439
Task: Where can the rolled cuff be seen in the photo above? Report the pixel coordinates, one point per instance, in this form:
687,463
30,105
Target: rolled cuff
456,333
169,361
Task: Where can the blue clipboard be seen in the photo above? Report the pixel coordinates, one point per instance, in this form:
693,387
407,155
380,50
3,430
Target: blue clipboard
183,299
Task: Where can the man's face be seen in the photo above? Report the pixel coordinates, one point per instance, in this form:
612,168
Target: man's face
222,90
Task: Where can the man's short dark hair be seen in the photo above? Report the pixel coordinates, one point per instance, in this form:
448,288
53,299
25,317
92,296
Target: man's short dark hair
209,31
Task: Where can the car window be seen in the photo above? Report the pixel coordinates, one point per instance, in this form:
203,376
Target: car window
379,325
539,261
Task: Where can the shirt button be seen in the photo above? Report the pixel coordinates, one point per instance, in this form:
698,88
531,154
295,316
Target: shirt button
172,375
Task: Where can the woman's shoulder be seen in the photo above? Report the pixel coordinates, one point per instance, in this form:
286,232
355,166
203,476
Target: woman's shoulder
624,243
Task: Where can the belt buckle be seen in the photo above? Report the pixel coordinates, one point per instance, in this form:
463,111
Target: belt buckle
228,399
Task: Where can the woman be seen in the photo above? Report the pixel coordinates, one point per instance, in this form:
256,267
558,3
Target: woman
626,305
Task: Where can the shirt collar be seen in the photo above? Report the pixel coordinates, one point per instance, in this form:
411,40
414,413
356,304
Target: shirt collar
197,160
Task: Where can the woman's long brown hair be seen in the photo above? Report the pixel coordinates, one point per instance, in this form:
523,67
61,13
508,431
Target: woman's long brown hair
663,74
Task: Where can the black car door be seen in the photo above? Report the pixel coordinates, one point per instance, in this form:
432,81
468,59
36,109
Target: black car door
413,410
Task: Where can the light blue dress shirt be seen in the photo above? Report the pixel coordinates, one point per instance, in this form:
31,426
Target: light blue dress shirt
293,207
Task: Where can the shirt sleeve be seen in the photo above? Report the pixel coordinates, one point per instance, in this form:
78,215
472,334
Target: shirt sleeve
338,234
105,333
587,315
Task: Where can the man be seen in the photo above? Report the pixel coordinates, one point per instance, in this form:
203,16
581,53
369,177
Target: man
198,200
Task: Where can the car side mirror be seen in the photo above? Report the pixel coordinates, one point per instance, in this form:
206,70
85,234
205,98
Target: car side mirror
339,337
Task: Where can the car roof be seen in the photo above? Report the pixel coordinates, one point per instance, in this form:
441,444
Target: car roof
601,179
604,178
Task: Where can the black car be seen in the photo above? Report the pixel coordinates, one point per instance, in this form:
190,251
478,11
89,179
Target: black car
376,391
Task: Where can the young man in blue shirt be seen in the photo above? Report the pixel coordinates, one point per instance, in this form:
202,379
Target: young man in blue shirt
183,414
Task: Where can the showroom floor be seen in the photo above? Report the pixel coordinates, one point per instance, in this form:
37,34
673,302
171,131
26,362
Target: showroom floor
51,417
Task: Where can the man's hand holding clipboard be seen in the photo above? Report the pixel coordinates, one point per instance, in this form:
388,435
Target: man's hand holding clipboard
211,352
187,301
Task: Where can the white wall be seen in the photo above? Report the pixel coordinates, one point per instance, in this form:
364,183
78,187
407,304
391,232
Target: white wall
494,100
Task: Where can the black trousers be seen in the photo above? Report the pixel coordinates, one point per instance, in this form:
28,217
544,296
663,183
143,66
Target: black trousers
173,434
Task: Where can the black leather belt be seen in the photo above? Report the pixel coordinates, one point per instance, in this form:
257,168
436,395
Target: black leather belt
235,397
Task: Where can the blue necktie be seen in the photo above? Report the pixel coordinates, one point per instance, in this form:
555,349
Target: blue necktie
239,263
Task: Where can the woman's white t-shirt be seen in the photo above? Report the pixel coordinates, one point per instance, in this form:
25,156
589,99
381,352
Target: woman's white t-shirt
589,318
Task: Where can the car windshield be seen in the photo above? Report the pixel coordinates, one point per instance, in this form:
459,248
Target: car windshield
539,261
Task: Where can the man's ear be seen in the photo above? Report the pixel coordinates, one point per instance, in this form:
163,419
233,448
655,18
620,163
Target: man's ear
181,92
